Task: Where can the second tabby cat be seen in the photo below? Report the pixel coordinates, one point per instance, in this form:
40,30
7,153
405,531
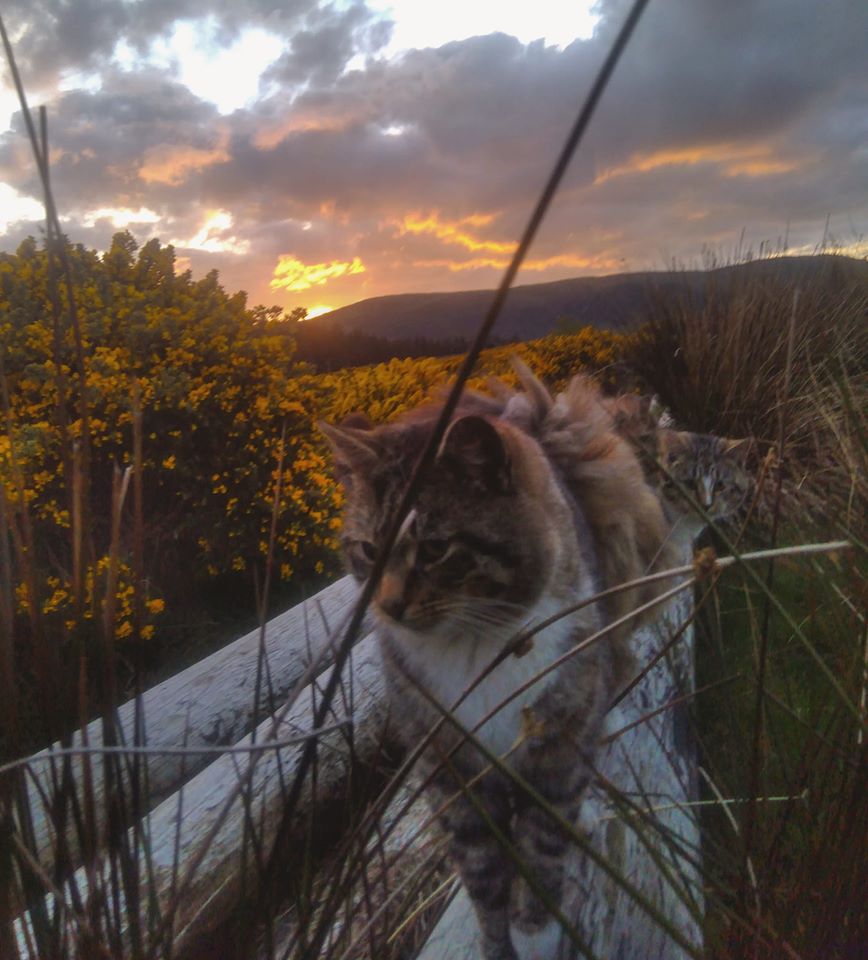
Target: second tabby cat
711,471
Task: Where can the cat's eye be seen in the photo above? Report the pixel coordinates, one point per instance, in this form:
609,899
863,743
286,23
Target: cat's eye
431,551
368,550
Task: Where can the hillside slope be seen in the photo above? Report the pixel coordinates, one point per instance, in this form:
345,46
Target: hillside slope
614,303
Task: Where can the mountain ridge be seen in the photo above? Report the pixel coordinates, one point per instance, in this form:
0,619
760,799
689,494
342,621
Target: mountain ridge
613,302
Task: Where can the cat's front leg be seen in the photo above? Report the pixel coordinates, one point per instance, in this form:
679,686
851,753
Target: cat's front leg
485,869
540,839
561,731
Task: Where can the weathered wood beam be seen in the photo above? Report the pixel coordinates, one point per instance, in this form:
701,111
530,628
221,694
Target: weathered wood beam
204,824
650,762
653,765
209,704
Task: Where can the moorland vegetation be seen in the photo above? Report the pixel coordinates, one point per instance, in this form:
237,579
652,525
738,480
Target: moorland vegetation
160,463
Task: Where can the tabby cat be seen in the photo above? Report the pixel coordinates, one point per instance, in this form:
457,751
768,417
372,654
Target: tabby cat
707,469
533,503
710,470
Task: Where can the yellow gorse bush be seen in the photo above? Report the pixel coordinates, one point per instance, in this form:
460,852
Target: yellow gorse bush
60,603
227,414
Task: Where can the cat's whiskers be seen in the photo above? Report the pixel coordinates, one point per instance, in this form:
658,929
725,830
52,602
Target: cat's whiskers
457,614
479,610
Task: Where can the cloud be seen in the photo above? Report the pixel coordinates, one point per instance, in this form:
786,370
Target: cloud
293,275
172,165
120,217
53,36
533,265
328,41
421,170
456,232
733,160
214,236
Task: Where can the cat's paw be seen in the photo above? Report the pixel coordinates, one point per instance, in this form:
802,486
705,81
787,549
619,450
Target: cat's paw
500,952
527,912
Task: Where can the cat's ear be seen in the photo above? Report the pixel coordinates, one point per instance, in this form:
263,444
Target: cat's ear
738,449
475,452
541,400
353,446
672,444
357,420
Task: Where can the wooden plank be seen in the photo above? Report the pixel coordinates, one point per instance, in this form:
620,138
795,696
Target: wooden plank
209,704
653,764
654,760
215,887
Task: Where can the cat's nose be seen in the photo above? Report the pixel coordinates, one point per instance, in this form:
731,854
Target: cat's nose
393,606
390,596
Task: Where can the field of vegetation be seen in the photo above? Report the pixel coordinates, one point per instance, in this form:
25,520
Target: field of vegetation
782,650
161,476
203,396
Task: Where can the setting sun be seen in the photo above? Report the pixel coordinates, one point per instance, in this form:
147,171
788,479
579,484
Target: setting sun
318,311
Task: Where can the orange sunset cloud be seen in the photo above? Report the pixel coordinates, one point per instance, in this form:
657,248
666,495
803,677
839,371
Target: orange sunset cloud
291,274
214,237
172,165
755,160
536,265
455,232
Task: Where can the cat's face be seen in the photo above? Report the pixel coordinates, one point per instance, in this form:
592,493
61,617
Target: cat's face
476,547
711,469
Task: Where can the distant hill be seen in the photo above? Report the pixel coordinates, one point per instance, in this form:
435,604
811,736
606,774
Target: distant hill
615,302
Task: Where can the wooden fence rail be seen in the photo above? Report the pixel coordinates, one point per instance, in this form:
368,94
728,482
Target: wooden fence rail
195,835
209,704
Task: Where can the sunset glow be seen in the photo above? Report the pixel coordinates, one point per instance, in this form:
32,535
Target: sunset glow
14,206
538,265
212,236
172,165
318,311
120,217
754,160
456,232
343,149
291,274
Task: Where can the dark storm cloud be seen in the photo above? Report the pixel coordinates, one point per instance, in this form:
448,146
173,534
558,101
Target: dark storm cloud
100,140
720,117
56,35
706,71
320,50
483,116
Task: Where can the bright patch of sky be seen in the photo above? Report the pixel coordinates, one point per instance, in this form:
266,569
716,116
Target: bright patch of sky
14,207
8,107
76,80
225,76
120,216
212,236
419,25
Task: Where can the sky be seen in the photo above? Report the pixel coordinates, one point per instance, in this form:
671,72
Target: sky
316,154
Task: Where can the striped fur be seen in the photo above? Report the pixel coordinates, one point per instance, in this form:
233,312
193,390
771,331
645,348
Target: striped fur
533,503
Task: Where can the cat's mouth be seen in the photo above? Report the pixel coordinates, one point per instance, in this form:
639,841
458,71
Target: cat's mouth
470,616
409,615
